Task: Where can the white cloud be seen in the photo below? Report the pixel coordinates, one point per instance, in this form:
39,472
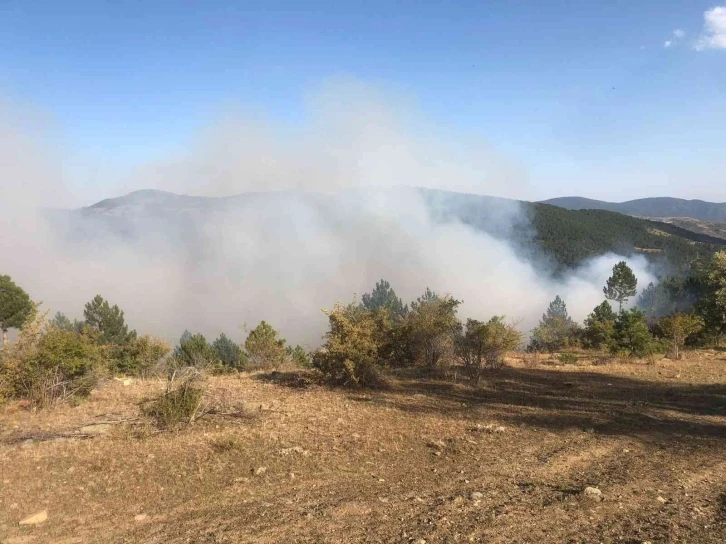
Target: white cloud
714,30
678,35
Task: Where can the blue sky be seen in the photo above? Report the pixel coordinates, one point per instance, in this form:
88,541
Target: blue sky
585,96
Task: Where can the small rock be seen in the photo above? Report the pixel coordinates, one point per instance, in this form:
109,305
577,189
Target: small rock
661,500
35,519
383,499
140,517
127,382
421,541
27,443
296,449
477,495
499,429
437,444
260,471
593,493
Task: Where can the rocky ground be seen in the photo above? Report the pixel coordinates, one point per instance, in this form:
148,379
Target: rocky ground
605,452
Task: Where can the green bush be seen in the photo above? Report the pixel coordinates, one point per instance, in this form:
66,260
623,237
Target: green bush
181,402
631,335
299,356
349,355
229,353
139,356
264,348
568,358
483,345
49,364
556,330
194,351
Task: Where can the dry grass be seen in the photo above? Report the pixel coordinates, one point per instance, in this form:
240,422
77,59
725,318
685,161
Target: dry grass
311,464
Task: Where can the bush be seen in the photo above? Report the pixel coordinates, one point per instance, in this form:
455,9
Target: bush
677,328
349,355
139,356
182,400
194,351
599,326
631,335
48,364
264,348
567,358
229,353
483,345
556,330
431,327
299,356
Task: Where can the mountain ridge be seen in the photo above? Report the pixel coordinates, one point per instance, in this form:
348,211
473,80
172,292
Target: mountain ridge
565,237
658,207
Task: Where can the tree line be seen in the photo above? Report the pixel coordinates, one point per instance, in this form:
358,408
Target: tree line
56,358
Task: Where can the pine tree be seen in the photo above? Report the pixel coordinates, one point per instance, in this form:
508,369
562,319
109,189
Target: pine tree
383,296
108,321
15,306
621,285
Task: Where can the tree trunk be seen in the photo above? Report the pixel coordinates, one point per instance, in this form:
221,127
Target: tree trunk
5,337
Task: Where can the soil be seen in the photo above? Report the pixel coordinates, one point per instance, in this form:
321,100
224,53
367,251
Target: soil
287,459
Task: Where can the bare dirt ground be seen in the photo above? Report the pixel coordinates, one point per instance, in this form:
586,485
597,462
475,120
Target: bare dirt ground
425,461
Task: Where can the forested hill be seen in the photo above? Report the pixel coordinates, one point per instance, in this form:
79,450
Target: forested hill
570,236
649,207
565,237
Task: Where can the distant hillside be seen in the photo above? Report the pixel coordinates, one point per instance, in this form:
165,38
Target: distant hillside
649,207
565,237
717,230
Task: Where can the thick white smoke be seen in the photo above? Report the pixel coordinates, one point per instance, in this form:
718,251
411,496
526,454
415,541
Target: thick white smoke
289,254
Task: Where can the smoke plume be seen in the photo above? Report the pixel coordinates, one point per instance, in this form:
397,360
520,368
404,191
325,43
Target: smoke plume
335,212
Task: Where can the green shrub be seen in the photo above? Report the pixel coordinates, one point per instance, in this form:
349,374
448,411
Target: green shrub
483,345
49,364
229,353
568,358
631,335
599,327
139,356
431,327
299,356
349,355
556,329
677,328
181,402
194,351
264,348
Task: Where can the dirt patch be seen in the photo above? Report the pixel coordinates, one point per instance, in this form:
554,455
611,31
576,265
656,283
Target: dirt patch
425,459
